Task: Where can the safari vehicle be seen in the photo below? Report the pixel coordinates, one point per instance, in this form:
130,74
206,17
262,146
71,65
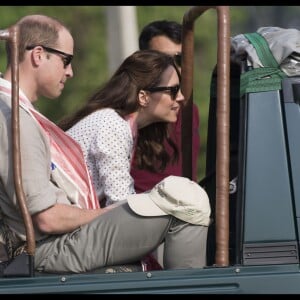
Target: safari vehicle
252,173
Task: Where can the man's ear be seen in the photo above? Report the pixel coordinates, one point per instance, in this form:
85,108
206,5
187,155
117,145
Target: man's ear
143,98
36,56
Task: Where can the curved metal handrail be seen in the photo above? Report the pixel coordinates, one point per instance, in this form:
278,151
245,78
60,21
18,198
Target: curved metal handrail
12,36
223,118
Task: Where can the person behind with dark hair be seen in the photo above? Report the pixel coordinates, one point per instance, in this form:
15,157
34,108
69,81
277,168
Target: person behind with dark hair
73,233
165,36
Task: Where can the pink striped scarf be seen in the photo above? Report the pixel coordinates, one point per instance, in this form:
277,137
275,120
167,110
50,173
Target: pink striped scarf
66,156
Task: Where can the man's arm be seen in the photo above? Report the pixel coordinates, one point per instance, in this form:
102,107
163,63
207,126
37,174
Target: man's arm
63,218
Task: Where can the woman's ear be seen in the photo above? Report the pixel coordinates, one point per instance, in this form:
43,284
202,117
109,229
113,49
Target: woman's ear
143,98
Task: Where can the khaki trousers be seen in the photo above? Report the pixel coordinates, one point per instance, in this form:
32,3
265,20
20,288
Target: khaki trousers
122,237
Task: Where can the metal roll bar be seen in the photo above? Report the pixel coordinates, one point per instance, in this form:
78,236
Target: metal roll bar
223,114
222,156
12,36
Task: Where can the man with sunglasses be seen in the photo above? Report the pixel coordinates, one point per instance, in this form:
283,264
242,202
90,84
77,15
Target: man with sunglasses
73,234
165,36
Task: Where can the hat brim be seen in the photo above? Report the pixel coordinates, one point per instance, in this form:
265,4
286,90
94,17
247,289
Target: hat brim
142,205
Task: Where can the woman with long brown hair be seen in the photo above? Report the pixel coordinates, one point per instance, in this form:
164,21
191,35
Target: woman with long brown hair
128,115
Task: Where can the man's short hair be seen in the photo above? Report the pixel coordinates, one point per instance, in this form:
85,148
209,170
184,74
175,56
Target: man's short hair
170,29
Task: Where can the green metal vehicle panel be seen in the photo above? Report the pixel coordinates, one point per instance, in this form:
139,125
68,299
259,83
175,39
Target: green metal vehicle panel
268,195
274,279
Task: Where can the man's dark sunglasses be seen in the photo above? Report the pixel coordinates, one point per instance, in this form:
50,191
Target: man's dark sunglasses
177,59
66,58
173,90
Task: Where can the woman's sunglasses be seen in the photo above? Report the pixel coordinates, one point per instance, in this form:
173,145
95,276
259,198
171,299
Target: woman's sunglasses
172,89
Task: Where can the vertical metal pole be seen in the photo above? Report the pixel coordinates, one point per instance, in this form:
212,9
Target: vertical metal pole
12,35
223,114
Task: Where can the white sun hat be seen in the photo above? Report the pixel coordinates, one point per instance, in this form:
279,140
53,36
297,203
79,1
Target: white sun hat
174,195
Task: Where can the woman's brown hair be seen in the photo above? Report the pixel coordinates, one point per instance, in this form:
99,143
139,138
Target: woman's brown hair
140,71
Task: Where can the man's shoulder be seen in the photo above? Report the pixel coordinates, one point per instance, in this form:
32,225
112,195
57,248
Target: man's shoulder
5,99
5,105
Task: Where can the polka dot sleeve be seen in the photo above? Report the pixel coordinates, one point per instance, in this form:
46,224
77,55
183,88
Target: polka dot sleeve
107,144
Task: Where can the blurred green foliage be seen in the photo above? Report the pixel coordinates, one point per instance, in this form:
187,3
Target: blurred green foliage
90,64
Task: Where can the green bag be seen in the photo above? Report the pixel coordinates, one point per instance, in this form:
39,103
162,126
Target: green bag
267,78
